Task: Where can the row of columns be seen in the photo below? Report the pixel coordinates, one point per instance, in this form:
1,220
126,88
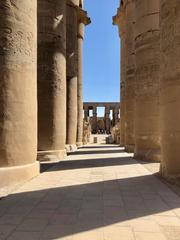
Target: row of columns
149,81
106,116
41,104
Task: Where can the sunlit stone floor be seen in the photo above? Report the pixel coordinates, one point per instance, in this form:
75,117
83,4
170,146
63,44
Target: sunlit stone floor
97,193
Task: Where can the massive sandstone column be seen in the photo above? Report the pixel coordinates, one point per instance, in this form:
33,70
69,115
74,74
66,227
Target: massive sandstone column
107,119
147,48
86,113
72,71
52,77
170,88
119,20
130,77
116,115
94,120
82,21
18,91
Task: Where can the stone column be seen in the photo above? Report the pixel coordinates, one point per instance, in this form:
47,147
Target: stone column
116,113
147,47
130,77
18,92
86,113
72,72
94,127
51,78
107,119
119,20
170,89
82,21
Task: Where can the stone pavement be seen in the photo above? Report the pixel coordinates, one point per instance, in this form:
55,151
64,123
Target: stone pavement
97,193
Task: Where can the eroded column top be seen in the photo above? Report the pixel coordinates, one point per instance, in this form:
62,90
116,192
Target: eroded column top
119,18
83,20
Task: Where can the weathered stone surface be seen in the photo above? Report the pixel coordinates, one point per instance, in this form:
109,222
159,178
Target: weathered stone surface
102,124
170,88
147,48
52,77
18,100
86,132
130,76
72,73
120,21
80,85
115,132
82,21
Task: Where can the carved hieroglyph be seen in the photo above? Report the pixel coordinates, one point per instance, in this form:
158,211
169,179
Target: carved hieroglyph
52,76
18,91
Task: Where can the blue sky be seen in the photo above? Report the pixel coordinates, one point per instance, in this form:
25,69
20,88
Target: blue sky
101,68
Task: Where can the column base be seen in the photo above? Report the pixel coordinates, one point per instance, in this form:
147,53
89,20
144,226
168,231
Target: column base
79,144
129,148
71,147
149,155
173,179
13,176
53,156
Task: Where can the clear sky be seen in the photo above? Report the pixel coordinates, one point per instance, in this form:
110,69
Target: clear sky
101,70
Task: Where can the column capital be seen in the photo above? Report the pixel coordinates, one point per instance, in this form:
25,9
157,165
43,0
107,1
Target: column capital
83,20
83,16
119,19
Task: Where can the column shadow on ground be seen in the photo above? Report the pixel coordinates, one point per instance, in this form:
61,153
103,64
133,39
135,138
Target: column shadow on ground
99,146
88,163
60,212
96,152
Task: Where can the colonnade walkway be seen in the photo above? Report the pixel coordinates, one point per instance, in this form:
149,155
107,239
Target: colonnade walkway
97,193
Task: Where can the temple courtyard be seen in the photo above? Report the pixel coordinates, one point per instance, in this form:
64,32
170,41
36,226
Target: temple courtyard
97,193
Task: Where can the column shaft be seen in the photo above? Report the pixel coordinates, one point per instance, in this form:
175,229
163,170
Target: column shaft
130,77
86,113
52,76
120,20
80,84
18,91
107,120
116,113
170,88
94,125
72,74
82,21
147,47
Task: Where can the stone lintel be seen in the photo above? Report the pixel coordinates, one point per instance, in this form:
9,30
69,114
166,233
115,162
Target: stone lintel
90,105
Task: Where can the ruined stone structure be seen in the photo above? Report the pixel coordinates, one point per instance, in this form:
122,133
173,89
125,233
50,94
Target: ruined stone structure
149,81
115,133
140,94
147,50
119,20
94,120
86,132
130,77
52,77
170,88
18,90
41,99
41,66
